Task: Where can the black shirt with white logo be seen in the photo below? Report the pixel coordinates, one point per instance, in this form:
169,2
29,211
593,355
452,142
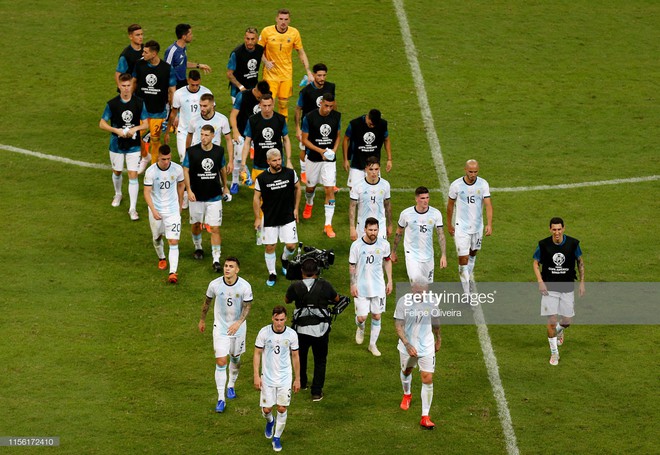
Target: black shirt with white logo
153,83
126,115
266,134
558,263
365,141
247,65
322,132
278,196
204,168
311,96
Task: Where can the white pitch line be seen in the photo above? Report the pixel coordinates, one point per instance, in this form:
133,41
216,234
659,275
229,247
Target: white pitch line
60,159
514,189
561,186
427,116
482,329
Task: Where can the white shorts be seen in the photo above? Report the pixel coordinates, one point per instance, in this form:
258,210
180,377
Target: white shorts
170,225
420,272
426,363
561,303
366,305
354,176
181,143
224,345
271,396
132,161
286,234
206,212
467,242
301,146
323,172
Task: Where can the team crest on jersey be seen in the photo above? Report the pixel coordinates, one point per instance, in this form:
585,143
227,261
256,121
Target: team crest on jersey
207,164
252,64
558,259
127,116
268,133
326,130
256,109
151,80
377,250
369,137
318,101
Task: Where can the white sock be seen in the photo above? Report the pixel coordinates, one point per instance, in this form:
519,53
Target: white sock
309,198
286,254
471,261
329,212
464,274
158,246
234,366
375,331
215,252
360,324
270,262
302,166
268,417
220,380
406,382
427,398
553,345
236,173
174,258
116,182
197,241
133,189
280,424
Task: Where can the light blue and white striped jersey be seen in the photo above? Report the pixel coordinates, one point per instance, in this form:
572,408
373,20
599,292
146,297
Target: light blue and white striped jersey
164,183
469,204
229,302
371,202
368,260
187,103
276,367
418,234
417,317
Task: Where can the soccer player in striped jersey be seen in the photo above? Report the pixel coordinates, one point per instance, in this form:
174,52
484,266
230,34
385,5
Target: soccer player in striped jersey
368,257
418,222
417,324
277,344
233,301
371,198
163,193
469,195
186,109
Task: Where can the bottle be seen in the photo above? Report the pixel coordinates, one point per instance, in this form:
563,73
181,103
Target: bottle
259,242
303,81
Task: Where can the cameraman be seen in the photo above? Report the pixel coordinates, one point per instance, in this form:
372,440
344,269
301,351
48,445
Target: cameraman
311,320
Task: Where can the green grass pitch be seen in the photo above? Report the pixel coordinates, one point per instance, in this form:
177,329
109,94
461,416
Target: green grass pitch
96,348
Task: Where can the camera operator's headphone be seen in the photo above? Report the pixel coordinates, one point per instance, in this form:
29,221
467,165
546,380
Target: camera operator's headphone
304,267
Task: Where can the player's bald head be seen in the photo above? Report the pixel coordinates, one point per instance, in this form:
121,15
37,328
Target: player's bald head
471,164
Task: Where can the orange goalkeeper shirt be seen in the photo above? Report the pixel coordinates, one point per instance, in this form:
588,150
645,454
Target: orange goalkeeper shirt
278,48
